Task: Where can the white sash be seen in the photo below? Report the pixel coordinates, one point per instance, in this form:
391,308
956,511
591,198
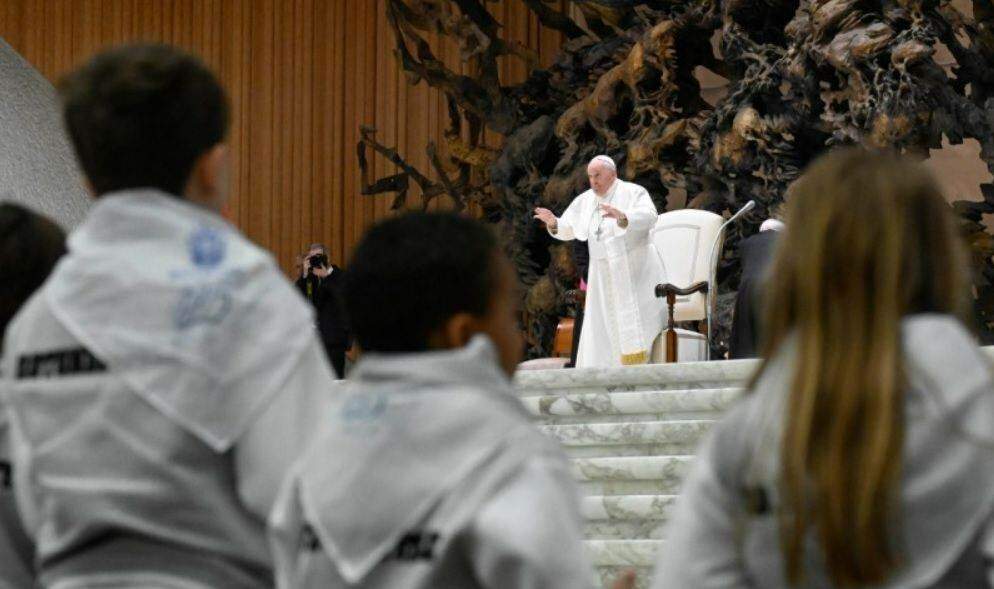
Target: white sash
631,340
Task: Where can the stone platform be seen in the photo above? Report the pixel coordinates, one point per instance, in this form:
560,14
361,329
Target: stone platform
631,434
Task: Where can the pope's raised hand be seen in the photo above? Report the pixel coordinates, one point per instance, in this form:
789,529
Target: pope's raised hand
609,212
545,216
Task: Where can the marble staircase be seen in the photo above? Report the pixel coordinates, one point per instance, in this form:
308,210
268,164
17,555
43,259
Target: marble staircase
631,434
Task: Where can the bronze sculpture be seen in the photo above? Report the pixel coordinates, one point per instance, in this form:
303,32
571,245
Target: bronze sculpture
803,76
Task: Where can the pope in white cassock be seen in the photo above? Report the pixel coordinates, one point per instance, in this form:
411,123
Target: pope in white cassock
623,316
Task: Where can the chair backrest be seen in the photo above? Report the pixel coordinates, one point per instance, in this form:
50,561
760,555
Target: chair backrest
683,240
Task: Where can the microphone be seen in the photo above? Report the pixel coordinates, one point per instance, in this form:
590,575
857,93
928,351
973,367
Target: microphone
714,266
745,209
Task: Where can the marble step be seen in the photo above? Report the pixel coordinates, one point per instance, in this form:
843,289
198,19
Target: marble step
633,529
630,438
684,375
568,407
631,435
630,475
631,450
631,487
596,508
607,574
630,553
631,468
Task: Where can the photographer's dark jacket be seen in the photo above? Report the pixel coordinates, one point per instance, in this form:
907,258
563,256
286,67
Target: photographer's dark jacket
327,296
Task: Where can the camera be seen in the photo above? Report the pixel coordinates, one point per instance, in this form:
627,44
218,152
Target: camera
319,261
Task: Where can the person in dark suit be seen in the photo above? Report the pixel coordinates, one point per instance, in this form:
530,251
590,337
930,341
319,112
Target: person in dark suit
756,253
321,283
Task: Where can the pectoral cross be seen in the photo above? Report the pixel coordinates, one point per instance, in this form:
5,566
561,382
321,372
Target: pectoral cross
600,229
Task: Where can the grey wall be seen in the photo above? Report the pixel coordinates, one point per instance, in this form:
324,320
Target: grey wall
37,165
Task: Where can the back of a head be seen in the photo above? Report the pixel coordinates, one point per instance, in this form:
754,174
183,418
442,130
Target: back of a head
413,272
139,116
871,223
30,245
869,240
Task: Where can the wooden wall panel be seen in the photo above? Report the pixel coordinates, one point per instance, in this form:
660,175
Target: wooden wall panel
302,76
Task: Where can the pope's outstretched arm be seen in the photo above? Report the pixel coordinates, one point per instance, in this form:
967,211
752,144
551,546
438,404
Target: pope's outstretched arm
561,228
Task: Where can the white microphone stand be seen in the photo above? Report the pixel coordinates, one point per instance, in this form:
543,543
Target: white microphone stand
714,268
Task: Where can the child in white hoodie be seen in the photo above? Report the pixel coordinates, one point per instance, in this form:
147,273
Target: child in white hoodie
30,246
167,373
430,474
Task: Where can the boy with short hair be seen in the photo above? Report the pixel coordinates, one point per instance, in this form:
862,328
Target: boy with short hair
161,381
30,246
430,473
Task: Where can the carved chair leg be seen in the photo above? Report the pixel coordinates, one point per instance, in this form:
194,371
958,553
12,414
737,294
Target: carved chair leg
671,338
670,292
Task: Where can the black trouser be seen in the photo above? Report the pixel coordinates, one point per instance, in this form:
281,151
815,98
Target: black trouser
744,340
336,355
577,327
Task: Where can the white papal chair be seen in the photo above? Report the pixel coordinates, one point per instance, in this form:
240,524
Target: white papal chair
689,244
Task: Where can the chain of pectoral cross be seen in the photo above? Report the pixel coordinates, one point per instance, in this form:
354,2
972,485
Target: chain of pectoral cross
597,209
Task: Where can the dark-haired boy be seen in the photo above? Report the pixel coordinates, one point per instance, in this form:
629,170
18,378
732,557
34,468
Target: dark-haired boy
430,473
161,381
30,246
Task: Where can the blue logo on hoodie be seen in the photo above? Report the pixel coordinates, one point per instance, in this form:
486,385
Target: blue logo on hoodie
364,407
207,247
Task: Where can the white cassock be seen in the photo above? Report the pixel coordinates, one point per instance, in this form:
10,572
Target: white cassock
623,315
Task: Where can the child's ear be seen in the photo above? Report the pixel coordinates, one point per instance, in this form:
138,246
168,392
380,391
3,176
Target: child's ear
208,179
456,332
214,170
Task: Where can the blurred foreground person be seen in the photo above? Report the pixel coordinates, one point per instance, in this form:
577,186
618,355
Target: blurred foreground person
430,473
863,454
167,373
30,245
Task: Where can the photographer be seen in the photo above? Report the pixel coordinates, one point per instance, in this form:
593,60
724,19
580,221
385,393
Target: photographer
321,283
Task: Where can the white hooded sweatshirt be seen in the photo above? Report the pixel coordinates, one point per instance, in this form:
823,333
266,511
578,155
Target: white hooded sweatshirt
158,386
430,475
945,531
16,550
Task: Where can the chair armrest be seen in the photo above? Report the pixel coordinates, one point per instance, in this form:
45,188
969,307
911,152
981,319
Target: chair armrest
662,290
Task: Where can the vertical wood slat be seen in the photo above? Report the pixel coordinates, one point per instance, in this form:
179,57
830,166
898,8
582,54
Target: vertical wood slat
349,131
302,76
387,97
338,95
